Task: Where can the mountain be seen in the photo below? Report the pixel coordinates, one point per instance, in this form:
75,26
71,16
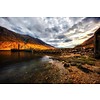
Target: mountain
10,40
88,43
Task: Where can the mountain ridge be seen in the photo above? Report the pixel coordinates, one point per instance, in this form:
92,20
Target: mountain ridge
89,43
10,40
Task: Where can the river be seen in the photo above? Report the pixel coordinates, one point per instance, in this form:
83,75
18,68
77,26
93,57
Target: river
25,67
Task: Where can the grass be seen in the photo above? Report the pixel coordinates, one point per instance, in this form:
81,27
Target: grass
77,60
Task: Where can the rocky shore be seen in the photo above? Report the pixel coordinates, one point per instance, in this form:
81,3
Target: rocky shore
76,67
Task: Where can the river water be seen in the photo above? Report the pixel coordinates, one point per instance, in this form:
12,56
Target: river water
25,67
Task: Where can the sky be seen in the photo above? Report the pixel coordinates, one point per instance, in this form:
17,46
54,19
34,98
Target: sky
60,32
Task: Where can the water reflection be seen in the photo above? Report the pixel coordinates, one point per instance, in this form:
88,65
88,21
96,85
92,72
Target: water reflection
20,67
8,57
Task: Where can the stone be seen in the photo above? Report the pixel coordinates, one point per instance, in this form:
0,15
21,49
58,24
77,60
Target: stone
66,65
73,64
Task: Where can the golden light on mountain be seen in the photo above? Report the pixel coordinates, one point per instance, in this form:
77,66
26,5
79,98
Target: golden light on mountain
10,40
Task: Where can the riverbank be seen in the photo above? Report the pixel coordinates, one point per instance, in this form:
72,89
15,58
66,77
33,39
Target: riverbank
66,68
78,69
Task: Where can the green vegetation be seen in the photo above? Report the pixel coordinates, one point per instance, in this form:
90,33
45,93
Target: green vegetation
75,61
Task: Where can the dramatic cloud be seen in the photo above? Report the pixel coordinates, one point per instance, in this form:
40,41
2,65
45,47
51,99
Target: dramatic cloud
62,32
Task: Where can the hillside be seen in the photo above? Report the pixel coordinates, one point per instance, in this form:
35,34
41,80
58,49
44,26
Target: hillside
88,43
10,40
